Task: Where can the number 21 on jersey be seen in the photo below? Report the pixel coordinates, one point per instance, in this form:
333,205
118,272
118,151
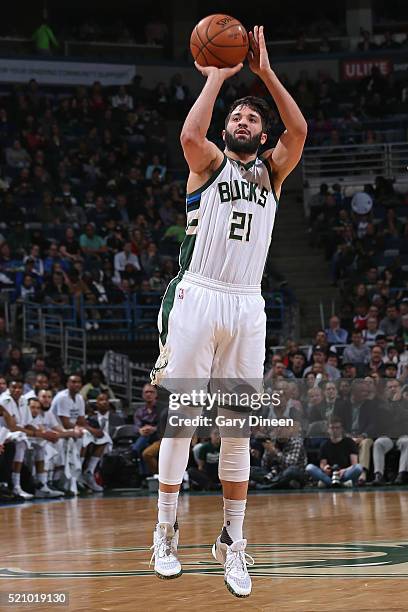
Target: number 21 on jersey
240,228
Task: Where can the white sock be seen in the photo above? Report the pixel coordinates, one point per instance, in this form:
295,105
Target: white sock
92,463
234,514
167,504
42,477
15,479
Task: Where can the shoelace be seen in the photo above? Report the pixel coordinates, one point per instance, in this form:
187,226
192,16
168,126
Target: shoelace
162,548
239,559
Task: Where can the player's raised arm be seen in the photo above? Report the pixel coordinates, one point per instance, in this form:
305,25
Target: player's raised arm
287,153
201,154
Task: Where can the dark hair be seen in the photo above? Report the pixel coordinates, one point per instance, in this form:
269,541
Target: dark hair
335,419
256,104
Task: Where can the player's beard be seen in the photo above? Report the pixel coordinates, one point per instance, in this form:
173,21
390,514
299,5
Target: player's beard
238,145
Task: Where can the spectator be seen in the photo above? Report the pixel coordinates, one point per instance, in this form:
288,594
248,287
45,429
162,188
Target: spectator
208,459
96,386
376,363
338,455
394,433
297,363
125,258
357,352
371,332
283,463
390,325
44,39
335,334
122,100
146,420
91,243
319,357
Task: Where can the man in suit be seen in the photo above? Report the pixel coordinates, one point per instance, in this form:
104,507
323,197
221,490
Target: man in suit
104,418
364,421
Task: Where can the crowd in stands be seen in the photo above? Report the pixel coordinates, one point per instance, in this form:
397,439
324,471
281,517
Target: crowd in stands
90,208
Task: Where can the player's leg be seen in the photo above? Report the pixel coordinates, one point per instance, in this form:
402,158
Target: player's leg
97,451
41,488
187,351
19,453
238,364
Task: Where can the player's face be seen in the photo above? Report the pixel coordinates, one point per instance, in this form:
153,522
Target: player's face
243,133
16,390
74,384
45,398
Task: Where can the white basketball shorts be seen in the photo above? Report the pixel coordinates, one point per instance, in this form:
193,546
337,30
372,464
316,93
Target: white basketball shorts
209,331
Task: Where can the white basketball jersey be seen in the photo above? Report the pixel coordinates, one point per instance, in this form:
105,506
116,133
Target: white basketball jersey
229,223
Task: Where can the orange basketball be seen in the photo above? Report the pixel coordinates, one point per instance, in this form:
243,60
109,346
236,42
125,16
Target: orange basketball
219,40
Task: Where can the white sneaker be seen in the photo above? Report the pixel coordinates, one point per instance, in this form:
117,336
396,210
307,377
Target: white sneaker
19,491
235,560
89,479
165,542
43,491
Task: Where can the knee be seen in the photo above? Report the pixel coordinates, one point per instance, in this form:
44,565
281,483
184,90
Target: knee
234,462
310,467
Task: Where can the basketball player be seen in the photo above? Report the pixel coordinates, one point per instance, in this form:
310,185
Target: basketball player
212,319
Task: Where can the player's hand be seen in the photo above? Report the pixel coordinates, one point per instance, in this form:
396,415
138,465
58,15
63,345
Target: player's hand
327,469
50,435
258,59
222,73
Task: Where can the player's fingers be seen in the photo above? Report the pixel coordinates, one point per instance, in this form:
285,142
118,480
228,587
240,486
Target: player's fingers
256,34
252,42
236,68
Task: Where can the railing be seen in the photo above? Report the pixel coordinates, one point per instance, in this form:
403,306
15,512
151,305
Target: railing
355,164
75,349
75,48
52,334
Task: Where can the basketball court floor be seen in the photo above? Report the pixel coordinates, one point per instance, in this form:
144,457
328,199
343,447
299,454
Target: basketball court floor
313,552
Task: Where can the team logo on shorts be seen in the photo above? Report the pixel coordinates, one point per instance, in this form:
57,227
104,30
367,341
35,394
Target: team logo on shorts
181,294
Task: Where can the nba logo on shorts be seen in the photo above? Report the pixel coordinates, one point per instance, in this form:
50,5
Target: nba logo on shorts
181,294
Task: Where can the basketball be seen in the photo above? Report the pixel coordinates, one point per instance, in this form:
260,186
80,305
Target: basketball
220,41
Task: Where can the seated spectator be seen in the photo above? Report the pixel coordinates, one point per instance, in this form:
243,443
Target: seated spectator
176,233
357,352
17,156
208,459
315,406
376,363
283,463
96,385
390,325
56,291
91,243
146,420
155,165
123,259
394,433
335,334
35,256
371,332
319,356
297,364
338,459
122,100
